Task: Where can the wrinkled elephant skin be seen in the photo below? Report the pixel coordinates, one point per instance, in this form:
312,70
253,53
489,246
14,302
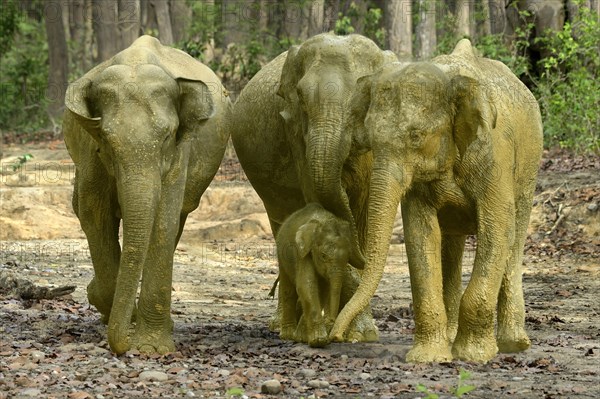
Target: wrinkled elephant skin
458,140
145,131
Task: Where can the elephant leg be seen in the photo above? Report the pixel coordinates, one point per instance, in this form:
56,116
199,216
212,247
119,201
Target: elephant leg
452,252
362,328
423,248
307,288
94,208
287,303
154,326
512,336
475,339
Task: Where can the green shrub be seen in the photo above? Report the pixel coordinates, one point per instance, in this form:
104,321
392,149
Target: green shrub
24,77
568,88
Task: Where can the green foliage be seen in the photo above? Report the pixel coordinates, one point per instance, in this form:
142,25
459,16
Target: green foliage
234,392
24,77
9,19
372,20
23,159
459,391
568,88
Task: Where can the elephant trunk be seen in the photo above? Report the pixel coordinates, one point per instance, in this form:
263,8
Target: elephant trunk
139,192
326,151
385,194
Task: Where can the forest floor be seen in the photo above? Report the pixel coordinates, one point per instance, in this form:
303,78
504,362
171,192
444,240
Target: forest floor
224,268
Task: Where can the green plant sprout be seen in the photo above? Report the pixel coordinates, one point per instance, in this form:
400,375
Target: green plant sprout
461,389
234,392
23,159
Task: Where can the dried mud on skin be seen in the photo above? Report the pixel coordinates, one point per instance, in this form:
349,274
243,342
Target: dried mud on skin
57,348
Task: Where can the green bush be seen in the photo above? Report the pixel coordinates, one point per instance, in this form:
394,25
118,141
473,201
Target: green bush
568,88
24,76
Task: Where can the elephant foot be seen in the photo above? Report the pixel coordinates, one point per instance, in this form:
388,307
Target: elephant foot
430,352
287,333
513,341
275,322
362,329
318,338
160,342
474,348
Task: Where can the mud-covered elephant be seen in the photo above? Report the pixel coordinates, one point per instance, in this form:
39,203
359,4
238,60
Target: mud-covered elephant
458,140
313,249
146,132
287,132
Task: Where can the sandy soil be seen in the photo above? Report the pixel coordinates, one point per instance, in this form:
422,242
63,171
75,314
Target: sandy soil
224,268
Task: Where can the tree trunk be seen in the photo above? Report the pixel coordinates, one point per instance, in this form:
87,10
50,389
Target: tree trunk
497,16
104,23
426,29
57,56
398,22
317,14
332,8
484,23
77,23
163,19
463,18
129,22
181,17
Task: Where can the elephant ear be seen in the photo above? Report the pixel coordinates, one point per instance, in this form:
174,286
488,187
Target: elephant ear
79,104
289,75
358,108
475,113
305,237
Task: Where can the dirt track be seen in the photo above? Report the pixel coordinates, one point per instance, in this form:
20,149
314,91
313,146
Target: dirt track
224,269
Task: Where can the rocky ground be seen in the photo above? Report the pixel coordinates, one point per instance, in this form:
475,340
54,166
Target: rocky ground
224,269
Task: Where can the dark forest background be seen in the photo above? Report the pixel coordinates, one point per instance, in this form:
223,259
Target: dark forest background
552,45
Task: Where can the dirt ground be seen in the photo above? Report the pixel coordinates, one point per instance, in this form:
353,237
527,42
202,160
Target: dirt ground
224,268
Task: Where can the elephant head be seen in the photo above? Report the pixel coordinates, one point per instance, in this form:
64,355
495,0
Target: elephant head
417,119
141,108
328,242
317,80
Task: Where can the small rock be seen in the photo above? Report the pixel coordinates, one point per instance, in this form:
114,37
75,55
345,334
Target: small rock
190,394
271,387
517,378
319,384
308,373
150,375
365,376
31,392
592,207
224,373
37,356
344,357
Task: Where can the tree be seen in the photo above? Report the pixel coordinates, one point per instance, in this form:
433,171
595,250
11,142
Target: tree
497,16
129,22
163,19
104,24
426,29
398,22
57,56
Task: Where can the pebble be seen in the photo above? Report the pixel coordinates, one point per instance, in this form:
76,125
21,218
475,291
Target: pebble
592,207
272,387
518,378
37,356
31,392
308,373
150,375
224,373
365,376
319,384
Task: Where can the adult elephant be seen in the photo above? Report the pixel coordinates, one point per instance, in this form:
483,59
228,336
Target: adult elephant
145,131
288,135
458,140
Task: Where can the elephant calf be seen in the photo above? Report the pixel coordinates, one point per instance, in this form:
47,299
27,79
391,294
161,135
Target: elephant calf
145,131
313,248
